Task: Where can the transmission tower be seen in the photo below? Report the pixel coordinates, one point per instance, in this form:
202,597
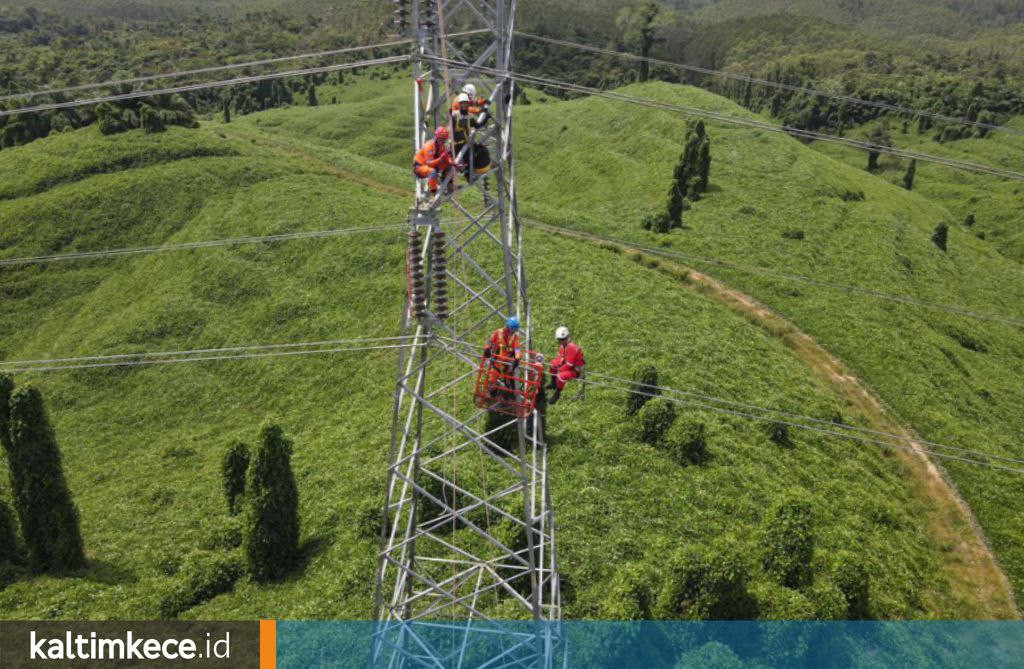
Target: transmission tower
468,572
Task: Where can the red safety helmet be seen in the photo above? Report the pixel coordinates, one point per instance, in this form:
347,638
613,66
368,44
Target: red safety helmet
441,134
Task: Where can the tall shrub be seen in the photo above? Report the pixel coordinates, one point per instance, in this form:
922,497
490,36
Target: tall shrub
908,178
271,538
940,236
643,389
48,517
655,419
6,390
8,535
788,542
852,578
233,468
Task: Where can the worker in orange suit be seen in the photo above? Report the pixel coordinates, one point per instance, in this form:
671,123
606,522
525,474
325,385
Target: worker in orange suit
567,365
434,160
504,352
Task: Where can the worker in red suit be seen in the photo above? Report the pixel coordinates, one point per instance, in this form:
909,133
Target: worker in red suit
567,365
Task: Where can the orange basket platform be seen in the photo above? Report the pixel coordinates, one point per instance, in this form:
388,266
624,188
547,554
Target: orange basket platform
501,389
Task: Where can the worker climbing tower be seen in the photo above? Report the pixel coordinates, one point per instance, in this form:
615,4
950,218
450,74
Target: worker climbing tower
468,572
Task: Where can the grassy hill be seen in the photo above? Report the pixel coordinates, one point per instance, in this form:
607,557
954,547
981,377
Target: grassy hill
996,204
142,445
878,16
957,380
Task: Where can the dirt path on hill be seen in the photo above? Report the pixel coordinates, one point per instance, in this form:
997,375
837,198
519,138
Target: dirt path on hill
977,581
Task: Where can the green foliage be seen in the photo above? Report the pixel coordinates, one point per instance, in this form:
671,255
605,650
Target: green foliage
686,442
267,169
502,431
202,576
224,533
311,92
369,523
879,136
691,176
654,419
8,535
828,600
640,23
713,655
794,234
644,387
788,542
47,514
6,390
233,467
779,434
271,539
660,223
153,115
707,586
908,177
940,236
854,582
631,593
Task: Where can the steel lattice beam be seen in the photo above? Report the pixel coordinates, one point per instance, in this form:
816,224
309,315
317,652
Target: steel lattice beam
468,539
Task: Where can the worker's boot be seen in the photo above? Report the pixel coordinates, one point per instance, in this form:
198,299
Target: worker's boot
554,398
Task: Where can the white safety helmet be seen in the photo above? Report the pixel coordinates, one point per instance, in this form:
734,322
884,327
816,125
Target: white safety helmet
462,98
562,333
469,90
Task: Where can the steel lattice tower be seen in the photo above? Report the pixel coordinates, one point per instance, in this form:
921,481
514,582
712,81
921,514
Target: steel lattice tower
468,542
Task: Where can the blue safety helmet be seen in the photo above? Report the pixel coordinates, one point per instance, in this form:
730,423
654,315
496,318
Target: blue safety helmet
513,323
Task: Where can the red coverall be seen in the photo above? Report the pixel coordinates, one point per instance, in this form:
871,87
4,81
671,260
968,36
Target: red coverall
568,365
505,344
432,157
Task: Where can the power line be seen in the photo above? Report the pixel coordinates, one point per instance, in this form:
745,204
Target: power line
835,433
215,68
775,84
736,120
88,255
766,271
811,419
207,354
133,95
743,410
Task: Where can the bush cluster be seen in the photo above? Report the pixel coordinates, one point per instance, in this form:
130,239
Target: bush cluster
654,420
203,575
707,586
643,389
686,443
788,542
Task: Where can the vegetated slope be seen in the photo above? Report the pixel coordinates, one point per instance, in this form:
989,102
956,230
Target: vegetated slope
142,445
874,16
599,165
997,205
955,379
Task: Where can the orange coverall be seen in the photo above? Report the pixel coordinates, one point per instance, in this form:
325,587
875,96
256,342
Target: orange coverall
503,343
432,161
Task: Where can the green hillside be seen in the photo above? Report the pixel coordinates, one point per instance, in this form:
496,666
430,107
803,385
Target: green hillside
956,380
142,445
997,204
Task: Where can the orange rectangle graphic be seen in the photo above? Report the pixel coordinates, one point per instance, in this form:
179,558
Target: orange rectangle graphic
268,644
